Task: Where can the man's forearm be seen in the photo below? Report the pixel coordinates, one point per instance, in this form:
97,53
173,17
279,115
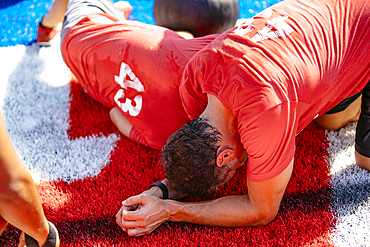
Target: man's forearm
260,206
230,211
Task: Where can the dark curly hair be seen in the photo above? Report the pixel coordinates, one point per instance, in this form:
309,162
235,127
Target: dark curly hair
189,159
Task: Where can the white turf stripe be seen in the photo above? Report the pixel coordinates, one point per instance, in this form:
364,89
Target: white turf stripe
34,100
351,190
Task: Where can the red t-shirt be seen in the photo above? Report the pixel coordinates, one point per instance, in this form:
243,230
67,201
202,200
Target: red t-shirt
277,72
134,66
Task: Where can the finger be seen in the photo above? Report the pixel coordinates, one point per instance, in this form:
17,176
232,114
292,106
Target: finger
119,218
129,224
137,232
126,222
139,199
119,222
118,213
133,215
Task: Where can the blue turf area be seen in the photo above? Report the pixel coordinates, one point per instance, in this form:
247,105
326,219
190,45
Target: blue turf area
19,18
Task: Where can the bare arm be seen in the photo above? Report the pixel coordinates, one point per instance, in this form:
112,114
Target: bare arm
19,200
121,122
260,206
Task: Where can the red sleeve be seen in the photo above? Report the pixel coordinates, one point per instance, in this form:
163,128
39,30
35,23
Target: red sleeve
269,140
138,137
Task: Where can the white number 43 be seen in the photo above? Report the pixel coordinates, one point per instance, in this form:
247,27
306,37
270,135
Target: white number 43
127,79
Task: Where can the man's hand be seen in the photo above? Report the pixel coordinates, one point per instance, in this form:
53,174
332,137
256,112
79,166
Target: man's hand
142,214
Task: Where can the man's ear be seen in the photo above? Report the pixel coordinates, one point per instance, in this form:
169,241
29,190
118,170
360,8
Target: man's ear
224,157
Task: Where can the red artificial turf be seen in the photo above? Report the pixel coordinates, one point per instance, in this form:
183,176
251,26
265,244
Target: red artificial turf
84,210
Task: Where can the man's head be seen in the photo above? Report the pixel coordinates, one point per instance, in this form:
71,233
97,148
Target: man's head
189,159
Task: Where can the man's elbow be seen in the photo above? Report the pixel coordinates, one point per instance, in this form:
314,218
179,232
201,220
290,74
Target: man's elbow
266,215
266,218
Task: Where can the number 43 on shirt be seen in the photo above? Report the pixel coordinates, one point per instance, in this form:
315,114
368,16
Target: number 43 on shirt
127,79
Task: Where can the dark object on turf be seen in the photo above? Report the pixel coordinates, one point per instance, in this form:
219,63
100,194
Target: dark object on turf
51,241
199,17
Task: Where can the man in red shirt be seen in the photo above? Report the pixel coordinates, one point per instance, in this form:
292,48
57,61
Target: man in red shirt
131,67
255,87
